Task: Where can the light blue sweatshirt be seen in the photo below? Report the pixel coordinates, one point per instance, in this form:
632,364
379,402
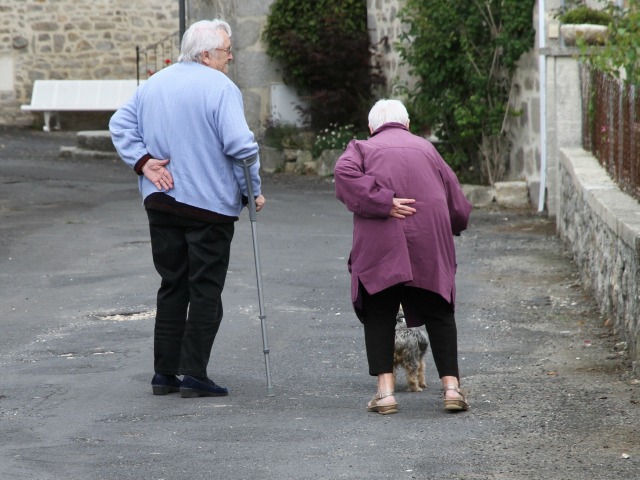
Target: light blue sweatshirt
192,115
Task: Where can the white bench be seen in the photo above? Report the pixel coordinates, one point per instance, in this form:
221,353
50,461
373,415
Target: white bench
52,96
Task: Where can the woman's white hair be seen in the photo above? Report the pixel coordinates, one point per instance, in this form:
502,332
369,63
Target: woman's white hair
387,111
202,36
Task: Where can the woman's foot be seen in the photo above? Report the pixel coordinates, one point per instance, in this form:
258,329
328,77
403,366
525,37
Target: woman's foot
454,400
383,403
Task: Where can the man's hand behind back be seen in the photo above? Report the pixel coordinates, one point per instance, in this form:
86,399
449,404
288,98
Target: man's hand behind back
156,171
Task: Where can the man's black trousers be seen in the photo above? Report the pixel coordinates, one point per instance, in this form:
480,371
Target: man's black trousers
192,258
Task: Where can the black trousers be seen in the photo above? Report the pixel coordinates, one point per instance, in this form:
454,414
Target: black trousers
379,319
192,258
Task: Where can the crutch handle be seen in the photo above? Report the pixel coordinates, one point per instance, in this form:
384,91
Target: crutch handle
251,202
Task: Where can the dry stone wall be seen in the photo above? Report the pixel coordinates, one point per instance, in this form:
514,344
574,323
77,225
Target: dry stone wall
600,225
70,39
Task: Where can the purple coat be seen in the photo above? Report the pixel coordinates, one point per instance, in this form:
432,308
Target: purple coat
417,251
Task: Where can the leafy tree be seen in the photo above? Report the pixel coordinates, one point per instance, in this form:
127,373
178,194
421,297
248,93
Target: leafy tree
464,55
324,50
621,52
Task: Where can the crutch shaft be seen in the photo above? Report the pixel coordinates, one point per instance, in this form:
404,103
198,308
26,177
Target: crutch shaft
256,254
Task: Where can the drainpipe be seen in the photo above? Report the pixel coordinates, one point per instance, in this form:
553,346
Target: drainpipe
182,18
542,60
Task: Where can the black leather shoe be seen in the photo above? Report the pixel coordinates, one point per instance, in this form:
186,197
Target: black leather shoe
194,387
164,384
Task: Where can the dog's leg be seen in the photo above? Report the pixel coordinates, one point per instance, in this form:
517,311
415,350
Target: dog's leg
421,373
412,378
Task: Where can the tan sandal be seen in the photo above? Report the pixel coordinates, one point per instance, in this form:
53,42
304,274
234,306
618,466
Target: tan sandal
458,404
373,406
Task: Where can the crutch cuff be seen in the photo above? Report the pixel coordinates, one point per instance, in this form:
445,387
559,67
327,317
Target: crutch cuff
249,161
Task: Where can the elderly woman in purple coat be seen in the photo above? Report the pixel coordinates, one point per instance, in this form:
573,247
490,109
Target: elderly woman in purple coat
407,205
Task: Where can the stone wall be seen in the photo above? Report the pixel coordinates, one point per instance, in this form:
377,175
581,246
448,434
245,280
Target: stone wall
601,226
67,39
253,70
524,126
385,29
562,110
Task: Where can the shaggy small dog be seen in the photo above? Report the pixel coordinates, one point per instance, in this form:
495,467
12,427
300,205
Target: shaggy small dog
410,348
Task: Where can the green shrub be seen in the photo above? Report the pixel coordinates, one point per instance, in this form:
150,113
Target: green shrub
464,55
584,14
324,50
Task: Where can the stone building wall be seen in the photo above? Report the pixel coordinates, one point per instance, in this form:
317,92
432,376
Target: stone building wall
524,127
562,109
385,29
70,39
252,70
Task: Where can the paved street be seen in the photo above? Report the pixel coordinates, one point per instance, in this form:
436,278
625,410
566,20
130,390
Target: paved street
552,393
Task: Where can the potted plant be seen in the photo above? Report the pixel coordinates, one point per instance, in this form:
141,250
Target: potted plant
581,23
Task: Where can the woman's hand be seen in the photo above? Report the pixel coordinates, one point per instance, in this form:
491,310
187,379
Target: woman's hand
401,208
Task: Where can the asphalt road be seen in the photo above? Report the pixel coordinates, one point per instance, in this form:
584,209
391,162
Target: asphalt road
552,393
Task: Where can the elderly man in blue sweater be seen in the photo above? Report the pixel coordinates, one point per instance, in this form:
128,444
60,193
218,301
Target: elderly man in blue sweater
184,133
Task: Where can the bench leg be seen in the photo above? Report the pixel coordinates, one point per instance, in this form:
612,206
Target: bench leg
47,122
48,118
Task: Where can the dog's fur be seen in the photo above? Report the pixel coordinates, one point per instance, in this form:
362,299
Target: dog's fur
410,348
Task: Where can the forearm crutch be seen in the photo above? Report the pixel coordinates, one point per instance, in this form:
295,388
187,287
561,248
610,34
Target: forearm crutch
256,255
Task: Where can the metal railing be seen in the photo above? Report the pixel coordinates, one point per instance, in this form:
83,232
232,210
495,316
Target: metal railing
155,57
611,126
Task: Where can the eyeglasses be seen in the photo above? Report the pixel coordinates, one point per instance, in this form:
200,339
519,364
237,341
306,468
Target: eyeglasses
225,50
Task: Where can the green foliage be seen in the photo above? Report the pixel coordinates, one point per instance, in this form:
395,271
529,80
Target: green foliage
324,50
464,55
281,135
621,52
335,137
584,14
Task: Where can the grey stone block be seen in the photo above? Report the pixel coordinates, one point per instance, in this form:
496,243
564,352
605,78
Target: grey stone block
81,154
98,140
327,162
479,195
512,194
271,159
534,192
302,157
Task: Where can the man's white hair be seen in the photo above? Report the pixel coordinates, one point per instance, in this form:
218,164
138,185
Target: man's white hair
202,36
387,111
